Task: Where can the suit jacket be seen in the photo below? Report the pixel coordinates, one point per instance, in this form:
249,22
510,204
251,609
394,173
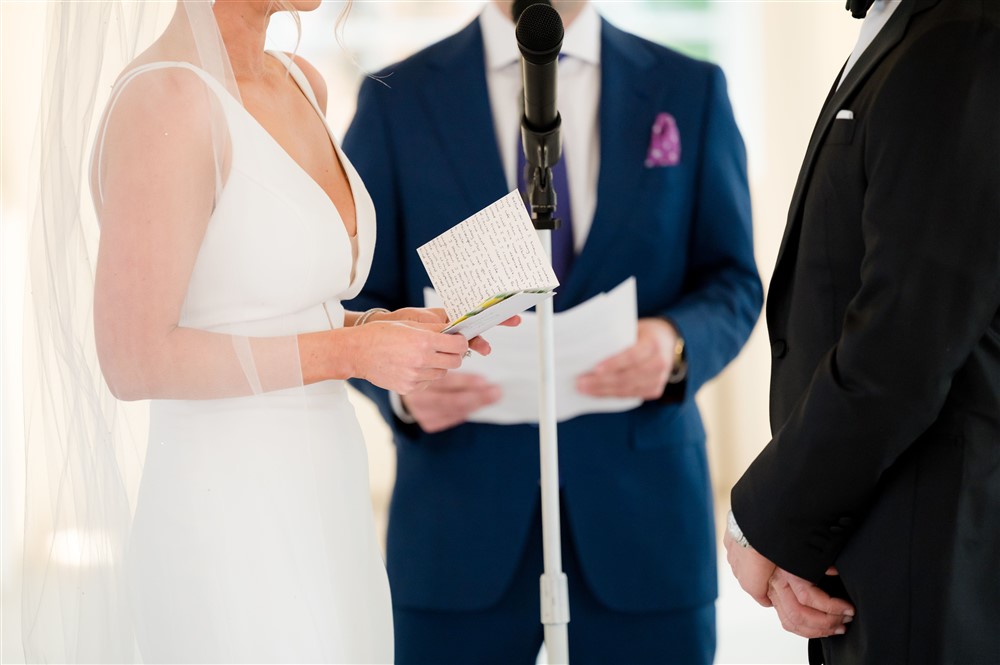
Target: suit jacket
884,319
635,485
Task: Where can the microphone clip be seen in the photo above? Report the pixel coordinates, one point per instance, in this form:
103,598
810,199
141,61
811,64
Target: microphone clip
542,151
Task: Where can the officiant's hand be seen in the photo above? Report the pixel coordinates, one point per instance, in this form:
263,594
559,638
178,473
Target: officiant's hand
446,403
641,370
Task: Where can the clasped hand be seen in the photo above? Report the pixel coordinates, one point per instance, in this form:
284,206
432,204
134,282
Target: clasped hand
802,607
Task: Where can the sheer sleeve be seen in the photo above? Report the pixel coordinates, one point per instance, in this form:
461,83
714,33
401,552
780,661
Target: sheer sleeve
160,165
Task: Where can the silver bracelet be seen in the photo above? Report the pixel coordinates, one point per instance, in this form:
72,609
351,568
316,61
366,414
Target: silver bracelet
735,531
369,313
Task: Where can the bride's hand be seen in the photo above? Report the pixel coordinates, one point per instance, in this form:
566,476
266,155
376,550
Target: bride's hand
437,315
404,357
413,314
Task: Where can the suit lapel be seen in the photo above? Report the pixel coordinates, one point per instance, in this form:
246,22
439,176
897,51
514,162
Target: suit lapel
885,41
626,115
458,103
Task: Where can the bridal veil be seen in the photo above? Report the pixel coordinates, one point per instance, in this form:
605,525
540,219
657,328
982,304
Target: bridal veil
84,447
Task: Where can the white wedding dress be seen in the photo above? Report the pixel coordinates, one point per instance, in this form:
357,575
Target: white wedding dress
253,538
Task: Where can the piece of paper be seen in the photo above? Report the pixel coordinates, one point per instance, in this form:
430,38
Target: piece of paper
584,335
492,253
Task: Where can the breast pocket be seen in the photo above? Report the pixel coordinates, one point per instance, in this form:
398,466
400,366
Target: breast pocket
842,132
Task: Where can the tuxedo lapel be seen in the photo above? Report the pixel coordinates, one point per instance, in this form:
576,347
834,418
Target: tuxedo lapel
458,103
887,39
626,115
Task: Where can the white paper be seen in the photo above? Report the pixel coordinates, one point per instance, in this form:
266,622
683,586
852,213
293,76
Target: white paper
584,336
496,251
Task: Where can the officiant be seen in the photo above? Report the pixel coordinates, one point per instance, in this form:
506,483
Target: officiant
652,184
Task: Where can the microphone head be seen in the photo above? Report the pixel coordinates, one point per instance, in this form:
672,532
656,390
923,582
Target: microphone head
520,5
539,34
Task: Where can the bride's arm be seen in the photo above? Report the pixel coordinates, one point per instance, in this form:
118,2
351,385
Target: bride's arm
160,164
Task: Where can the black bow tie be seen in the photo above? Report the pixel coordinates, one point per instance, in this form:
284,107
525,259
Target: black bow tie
859,8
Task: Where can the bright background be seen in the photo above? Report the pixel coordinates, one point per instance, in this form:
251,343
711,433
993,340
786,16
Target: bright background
780,58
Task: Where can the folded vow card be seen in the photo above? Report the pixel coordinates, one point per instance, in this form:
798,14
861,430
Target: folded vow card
584,335
489,267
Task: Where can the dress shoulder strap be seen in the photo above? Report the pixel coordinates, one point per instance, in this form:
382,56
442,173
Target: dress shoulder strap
299,77
98,152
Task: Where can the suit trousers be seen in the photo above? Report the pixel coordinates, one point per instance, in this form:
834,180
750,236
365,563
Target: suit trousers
510,632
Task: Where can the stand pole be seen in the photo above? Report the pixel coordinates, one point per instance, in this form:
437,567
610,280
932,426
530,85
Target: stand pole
553,585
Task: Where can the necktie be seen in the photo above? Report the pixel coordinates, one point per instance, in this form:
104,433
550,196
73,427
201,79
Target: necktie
563,252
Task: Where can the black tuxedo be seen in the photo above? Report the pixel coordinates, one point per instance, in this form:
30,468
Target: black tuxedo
884,319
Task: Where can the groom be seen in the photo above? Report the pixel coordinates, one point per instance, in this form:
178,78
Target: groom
655,186
881,484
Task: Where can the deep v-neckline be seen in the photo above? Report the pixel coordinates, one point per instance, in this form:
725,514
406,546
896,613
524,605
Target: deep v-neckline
301,169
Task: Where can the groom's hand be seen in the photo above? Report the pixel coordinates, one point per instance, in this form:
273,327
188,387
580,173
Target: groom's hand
805,609
752,569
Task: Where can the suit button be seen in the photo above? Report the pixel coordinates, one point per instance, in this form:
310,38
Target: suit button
779,348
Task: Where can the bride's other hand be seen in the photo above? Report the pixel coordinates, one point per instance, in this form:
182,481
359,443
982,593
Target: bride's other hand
415,314
437,315
405,356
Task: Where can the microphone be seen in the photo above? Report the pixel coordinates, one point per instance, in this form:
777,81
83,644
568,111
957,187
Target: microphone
540,34
539,38
520,5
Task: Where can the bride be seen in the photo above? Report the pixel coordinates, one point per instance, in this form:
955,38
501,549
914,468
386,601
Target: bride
231,228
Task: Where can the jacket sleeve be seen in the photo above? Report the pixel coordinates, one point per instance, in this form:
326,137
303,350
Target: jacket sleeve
722,292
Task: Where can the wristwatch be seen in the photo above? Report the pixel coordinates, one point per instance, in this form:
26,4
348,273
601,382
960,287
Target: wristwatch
680,367
735,531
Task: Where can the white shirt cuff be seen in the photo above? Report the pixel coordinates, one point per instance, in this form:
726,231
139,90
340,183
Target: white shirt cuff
396,402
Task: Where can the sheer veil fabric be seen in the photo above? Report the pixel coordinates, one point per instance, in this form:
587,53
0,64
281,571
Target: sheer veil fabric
242,531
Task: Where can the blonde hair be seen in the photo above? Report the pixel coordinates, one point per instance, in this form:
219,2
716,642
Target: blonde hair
338,29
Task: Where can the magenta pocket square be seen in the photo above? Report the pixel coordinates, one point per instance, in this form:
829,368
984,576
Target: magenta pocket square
665,143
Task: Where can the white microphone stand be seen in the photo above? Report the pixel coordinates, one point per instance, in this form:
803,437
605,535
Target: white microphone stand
542,151
539,36
554,588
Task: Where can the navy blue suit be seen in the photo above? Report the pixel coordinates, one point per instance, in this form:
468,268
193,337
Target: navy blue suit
635,485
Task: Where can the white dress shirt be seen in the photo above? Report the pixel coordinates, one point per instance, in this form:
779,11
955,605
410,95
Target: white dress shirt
876,18
579,92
